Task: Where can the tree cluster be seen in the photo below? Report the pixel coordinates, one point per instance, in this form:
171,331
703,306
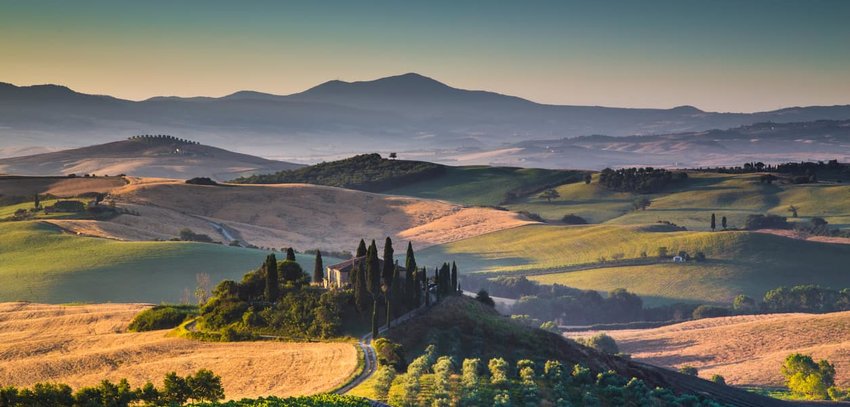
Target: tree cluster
444,381
275,299
366,172
639,180
203,386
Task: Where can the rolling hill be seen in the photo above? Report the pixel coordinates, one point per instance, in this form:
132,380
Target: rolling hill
407,112
288,215
464,328
68,268
158,157
691,204
747,350
605,257
83,344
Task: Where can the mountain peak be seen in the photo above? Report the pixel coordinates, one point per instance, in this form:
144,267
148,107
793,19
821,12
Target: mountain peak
406,84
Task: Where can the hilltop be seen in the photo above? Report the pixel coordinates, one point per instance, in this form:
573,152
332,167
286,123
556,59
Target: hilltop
747,350
145,156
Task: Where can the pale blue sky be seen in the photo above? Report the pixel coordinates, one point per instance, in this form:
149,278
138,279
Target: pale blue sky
716,55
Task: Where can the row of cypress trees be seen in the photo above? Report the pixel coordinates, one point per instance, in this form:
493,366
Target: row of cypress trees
379,283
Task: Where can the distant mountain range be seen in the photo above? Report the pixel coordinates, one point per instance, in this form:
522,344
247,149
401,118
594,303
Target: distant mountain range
401,113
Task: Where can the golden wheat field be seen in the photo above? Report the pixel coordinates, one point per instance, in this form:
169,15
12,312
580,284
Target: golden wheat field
83,344
745,350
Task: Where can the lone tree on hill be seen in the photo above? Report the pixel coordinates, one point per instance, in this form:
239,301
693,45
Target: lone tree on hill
318,269
793,210
361,249
550,194
272,285
723,222
713,224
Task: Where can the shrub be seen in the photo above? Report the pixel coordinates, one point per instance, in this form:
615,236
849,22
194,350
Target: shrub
806,378
187,235
201,181
710,311
755,222
689,370
718,379
161,317
484,298
533,216
601,342
572,219
390,354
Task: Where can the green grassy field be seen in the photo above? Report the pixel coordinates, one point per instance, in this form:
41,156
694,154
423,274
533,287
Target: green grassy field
479,185
692,203
738,262
40,263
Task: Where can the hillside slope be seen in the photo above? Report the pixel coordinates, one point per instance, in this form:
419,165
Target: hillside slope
605,257
462,327
145,157
83,344
69,268
746,350
289,215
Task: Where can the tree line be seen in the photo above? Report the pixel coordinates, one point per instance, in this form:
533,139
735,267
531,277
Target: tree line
176,390
365,172
639,180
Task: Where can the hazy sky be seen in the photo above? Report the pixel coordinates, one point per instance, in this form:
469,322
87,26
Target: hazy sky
716,55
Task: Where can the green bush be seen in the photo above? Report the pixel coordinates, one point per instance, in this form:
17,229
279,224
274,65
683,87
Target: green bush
689,370
161,317
806,378
601,342
710,311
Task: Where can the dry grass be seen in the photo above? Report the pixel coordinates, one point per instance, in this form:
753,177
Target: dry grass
297,215
746,350
61,187
81,345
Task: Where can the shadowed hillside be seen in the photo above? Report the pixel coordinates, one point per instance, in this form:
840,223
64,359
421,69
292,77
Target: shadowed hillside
155,156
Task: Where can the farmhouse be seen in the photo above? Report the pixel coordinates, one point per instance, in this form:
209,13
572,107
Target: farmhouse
338,275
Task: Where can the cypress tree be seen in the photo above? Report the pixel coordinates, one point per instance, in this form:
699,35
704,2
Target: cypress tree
395,294
318,269
373,271
374,319
361,249
290,254
411,293
37,202
272,285
389,263
723,222
358,282
454,277
713,224
415,290
425,287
